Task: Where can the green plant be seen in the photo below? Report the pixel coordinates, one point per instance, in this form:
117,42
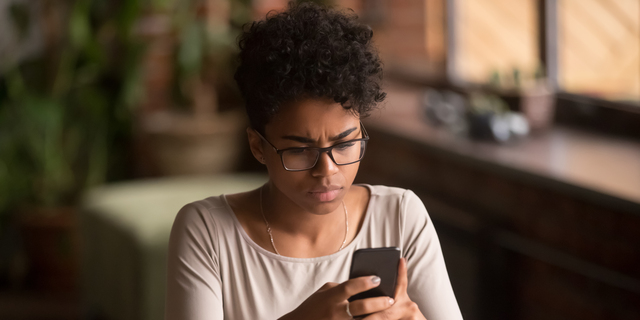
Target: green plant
65,113
205,51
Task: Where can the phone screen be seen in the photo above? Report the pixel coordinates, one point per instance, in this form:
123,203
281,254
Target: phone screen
381,262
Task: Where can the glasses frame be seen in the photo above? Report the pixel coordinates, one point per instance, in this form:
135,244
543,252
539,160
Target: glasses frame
328,150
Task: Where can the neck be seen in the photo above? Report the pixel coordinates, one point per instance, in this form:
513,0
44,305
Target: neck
288,217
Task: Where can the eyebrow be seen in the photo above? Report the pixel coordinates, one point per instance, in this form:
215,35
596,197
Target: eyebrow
308,140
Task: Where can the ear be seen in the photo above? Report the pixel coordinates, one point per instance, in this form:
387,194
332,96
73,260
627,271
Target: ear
256,145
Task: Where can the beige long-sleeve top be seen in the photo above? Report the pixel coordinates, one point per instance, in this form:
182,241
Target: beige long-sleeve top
215,271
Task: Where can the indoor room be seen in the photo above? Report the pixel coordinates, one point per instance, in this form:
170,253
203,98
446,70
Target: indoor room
514,123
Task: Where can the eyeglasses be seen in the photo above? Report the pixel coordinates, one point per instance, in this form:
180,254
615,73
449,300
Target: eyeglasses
342,154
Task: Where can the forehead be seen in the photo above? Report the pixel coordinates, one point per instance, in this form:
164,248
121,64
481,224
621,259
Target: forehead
312,115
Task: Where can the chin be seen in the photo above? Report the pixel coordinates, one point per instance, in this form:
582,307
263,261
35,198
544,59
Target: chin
322,205
325,208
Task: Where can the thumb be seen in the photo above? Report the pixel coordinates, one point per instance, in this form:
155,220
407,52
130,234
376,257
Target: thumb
402,282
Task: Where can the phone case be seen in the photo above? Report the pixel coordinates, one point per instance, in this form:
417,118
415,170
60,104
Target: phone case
381,262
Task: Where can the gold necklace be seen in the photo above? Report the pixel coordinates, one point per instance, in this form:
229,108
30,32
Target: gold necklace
346,222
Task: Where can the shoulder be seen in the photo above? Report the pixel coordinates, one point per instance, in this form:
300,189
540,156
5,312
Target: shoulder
386,191
393,196
205,209
399,204
203,218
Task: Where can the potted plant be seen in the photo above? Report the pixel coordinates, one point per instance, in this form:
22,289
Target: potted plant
201,129
64,113
530,94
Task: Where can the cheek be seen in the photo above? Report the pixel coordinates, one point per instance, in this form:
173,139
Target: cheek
350,172
291,183
286,180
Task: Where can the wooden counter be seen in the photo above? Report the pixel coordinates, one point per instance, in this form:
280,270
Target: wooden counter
591,166
544,228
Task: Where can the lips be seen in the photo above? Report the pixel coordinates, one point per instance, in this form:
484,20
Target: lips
325,194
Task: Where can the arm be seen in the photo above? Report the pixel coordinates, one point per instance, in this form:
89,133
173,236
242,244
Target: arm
193,276
423,290
428,282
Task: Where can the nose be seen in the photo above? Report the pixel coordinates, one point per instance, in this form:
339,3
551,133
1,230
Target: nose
324,166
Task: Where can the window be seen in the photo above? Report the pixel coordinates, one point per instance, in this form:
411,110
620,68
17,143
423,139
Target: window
587,47
495,39
599,48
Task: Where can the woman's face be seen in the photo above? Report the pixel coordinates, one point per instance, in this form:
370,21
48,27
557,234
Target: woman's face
311,123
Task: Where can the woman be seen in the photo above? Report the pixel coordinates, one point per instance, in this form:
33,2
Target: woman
283,251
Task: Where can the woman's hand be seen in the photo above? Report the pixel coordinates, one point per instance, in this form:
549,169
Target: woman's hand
403,308
330,301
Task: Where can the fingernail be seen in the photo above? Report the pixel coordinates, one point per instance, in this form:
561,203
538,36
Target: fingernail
375,279
391,301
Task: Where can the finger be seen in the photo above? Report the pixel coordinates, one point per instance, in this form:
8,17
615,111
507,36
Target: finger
397,311
354,286
402,282
328,286
382,315
370,305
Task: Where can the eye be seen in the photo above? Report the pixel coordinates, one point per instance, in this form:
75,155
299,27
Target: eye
297,150
344,145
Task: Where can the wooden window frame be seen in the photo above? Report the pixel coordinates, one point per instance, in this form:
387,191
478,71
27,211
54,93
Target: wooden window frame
591,113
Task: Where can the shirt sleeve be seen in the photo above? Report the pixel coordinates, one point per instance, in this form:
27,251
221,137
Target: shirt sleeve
429,286
193,275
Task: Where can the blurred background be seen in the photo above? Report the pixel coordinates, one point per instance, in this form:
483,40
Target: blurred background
516,121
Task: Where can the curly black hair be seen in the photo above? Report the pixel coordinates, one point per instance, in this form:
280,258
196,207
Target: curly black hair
308,51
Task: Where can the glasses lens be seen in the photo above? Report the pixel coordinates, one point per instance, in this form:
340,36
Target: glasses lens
348,152
299,159
305,158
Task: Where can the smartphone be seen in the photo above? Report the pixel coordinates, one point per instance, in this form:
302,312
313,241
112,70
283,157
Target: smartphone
381,262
